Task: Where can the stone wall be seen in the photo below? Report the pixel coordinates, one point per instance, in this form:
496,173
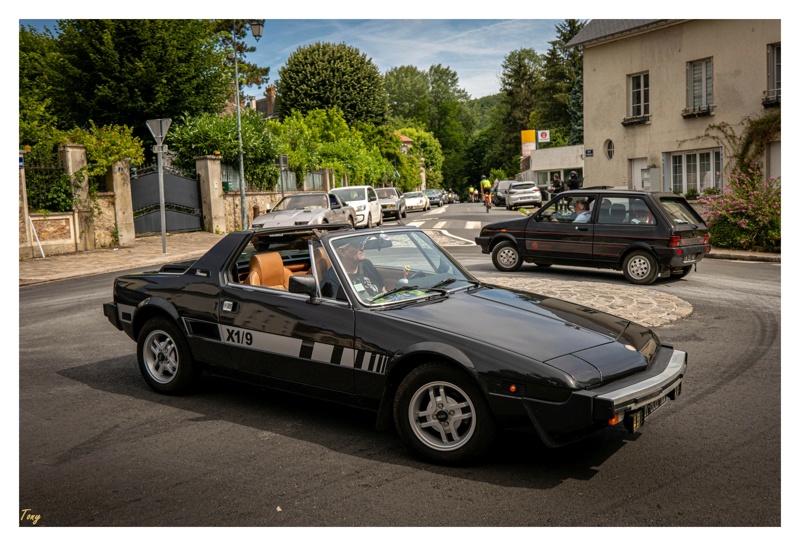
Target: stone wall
233,206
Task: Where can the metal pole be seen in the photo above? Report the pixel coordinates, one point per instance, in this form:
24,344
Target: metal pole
239,129
161,198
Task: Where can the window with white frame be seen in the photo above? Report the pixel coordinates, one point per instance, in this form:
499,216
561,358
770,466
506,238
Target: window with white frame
640,95
774,71
699,84
697,170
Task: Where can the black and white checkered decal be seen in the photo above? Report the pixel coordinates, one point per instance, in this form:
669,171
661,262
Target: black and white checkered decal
304,349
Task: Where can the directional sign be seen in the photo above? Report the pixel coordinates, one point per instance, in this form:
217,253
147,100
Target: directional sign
159,128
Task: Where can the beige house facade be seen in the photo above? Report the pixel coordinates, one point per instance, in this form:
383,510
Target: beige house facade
654,89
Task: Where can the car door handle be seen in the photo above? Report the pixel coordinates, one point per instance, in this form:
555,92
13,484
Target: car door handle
230,307
582,228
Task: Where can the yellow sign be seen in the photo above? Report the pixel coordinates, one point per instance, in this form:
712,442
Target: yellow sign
528,136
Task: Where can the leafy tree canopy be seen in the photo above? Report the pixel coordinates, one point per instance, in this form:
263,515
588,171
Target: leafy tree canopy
324,75
126,71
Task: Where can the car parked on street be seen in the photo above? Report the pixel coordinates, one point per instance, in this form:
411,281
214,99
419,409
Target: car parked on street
306,208
645,234
393,204
498,192
435,197
376,319
365,203
522,194
417,200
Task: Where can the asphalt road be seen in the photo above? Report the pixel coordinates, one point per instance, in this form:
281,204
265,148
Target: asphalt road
98,448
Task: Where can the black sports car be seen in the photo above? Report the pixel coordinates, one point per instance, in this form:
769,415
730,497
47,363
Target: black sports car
386,320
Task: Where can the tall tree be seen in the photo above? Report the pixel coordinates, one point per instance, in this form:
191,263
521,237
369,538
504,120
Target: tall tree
323,75
520,77
561,68
407,87
249,73
125,71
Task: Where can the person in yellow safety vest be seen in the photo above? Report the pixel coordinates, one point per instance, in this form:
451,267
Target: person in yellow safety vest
486,185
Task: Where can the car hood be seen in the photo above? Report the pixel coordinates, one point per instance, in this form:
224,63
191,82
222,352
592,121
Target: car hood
565,335
287,217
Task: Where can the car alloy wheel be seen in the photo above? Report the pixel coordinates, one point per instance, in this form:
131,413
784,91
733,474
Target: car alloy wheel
440,413
164,358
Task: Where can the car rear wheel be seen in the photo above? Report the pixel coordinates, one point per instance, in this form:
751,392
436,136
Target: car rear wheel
442,415
505,257
164,358
640,267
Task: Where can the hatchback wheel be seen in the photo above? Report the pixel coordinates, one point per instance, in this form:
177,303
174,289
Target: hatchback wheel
506,257
640,267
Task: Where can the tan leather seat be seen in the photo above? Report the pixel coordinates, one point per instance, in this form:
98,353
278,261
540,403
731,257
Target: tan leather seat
321,262
268,270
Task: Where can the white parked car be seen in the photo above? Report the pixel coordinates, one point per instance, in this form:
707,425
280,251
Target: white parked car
417,200
365,203
523,193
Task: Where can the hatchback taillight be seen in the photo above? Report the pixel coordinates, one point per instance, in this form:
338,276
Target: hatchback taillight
675,240
705,239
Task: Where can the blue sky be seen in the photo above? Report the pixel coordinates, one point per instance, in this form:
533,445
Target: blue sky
473,48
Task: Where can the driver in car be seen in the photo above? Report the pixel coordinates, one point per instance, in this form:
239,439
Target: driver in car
366,279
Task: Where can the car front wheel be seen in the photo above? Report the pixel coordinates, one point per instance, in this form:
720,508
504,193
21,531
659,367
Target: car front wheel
164,358
442,415
640,267
505,257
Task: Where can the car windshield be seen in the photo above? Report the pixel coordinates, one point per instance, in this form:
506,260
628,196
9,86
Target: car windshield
386,193
351,194
301,202
525,186
431,192
392,267
413,194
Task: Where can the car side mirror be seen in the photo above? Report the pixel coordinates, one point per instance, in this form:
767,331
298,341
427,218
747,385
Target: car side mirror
303,284
336,205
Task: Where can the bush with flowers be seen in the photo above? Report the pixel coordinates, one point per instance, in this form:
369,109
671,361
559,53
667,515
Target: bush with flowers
747,214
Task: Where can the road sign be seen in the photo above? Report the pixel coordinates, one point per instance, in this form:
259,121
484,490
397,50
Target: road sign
158,128
543,135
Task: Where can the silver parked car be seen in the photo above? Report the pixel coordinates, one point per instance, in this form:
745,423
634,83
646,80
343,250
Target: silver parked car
523,193
392,202
306,208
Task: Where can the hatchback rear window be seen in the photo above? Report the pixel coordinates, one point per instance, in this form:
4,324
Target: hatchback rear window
681,212
526,186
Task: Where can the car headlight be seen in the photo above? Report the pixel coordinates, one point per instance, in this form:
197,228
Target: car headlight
359,208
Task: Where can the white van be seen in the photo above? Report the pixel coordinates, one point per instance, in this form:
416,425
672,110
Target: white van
365,203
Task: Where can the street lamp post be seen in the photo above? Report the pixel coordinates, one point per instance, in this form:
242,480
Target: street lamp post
257,27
